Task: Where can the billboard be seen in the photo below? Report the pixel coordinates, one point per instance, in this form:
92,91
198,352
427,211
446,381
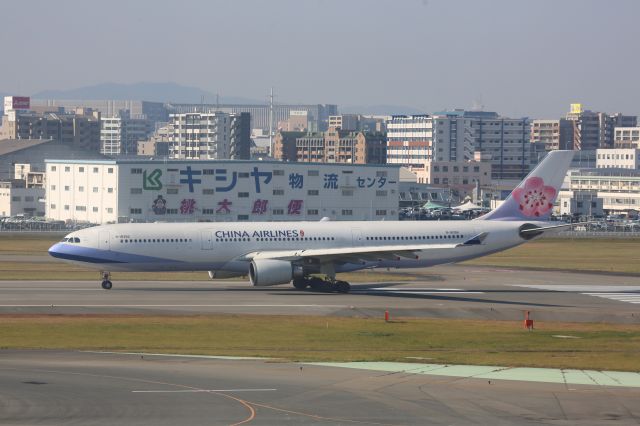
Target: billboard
16,103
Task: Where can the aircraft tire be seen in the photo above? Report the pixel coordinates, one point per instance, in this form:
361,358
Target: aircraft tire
300,283
342,287
106,284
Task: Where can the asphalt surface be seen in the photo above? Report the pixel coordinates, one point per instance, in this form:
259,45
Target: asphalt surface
53,388
445,292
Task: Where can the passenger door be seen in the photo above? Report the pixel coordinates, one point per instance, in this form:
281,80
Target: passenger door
207,240
104,240
356,234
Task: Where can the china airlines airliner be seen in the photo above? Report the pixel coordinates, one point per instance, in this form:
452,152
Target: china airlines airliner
273,253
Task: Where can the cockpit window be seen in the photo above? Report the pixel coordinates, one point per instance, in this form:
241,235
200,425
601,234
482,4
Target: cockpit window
76,240
64,240
70,240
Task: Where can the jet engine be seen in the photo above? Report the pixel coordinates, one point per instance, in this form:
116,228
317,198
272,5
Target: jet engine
265,272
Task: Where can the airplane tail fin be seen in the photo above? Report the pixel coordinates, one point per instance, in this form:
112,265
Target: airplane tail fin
533,198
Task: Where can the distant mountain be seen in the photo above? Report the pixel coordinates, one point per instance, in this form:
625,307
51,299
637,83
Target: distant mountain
381,110
158,92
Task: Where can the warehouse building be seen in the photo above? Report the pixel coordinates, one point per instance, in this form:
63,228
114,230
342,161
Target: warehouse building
110,191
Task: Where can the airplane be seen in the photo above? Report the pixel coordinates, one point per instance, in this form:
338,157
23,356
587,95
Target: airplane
273,253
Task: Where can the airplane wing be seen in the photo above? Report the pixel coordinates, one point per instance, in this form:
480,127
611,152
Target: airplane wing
539,230
361,253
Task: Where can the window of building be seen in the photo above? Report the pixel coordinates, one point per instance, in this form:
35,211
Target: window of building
243,195
381,212
278,211
381,193
53,187
16,198
136,190
243,175
95,170
52,206
66,187
135,211
312,212
278,192
278,172
243,217
313,173
347,212
110,190
208,211
208,191
476,169
66,206
347,192
54,168
95,210
110,170
381,173
81,169
208,171
109,210
95,189
172,190
136,171
313,192
172,211
67,169
81,209
28,199
81,189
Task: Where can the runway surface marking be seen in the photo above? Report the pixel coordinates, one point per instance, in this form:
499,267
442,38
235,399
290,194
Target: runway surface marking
203,390
545,375
412,290
223,357
619,293
169,306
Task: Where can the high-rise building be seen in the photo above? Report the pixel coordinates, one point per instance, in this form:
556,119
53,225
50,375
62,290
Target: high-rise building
120,135
332,146
80,128
156,112
459,136
209,136
593,130
554,134
318,114
626,137
409,139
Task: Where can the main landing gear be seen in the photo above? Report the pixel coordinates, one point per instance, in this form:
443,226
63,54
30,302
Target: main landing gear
325,285
106,281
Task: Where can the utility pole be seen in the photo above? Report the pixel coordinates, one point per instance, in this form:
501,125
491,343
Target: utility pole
271,122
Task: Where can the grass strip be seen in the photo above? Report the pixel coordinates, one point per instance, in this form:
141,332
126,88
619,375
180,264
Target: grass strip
301,338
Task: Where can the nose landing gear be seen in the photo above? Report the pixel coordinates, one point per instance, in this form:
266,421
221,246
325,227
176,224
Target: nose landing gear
106,280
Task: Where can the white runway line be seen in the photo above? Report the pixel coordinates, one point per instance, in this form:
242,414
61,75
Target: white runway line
203,390
414,290
169,306
618,293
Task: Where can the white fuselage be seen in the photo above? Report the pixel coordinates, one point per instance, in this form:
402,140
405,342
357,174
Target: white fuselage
219,246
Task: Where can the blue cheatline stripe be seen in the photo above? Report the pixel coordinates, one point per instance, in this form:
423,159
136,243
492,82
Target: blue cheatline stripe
92,255
78,258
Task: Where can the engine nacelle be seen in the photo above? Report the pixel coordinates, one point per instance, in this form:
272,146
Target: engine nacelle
265,272
219,275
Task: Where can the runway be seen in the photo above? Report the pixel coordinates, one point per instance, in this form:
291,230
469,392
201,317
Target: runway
51,388
452,291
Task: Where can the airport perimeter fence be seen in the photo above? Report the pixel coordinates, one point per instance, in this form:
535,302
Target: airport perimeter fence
597,234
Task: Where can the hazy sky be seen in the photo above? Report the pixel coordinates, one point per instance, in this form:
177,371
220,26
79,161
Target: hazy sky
516,57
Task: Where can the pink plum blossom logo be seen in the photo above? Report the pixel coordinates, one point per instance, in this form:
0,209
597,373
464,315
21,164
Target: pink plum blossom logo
535,199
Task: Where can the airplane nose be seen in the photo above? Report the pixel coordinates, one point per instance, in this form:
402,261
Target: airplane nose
55,249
